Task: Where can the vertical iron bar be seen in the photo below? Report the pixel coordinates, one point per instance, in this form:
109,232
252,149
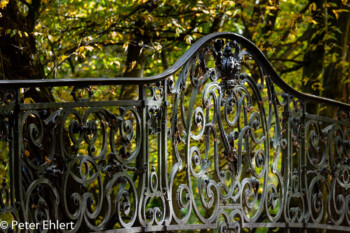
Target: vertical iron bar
164,154
142,159
16,159
303,164
287,153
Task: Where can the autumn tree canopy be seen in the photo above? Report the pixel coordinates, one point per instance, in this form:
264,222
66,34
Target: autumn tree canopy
307,41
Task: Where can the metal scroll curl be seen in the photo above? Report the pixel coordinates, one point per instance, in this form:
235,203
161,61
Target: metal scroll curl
41,202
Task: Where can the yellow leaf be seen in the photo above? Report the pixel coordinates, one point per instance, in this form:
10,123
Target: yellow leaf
255,34
271,8
133,64
119,35
117,63
148,17
48,160
157,47
175,22
28,100
188,39
312,7
106,42
89,48
26,152
125,46
80,49
336,14
62,58
99,46
3,3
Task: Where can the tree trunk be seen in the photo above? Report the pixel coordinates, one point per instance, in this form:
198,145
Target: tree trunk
18,54
334,74
134,68
17,44
313,68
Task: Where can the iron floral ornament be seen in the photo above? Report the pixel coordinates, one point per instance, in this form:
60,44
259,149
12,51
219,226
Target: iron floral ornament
228,64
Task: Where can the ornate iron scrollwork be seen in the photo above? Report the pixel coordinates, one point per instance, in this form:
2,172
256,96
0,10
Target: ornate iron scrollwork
217,141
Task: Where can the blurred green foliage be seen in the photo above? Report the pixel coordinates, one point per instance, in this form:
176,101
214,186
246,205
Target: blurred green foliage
307,41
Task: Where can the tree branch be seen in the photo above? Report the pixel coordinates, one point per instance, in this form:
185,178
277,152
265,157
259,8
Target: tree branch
294,68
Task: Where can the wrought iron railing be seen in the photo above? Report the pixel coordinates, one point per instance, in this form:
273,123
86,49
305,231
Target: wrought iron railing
217,141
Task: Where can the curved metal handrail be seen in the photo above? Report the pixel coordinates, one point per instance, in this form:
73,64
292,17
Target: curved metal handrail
250,46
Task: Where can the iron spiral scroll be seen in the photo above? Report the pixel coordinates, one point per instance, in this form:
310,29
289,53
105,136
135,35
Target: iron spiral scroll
217,141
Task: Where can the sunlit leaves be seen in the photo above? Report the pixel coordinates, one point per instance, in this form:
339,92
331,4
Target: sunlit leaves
77,26
3,3
77,38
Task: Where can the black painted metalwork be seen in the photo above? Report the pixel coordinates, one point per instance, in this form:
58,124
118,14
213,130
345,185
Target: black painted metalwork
217,141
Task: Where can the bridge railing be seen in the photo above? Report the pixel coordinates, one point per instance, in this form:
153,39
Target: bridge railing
217,141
